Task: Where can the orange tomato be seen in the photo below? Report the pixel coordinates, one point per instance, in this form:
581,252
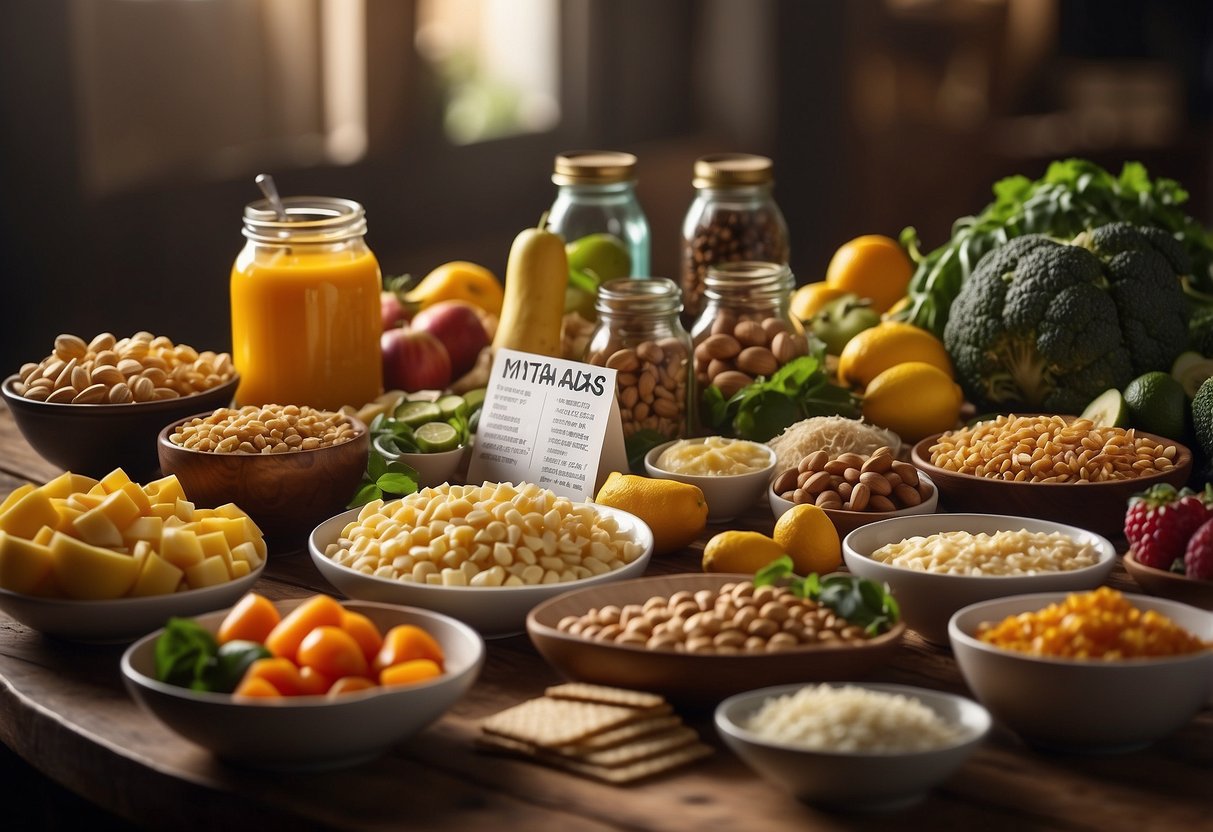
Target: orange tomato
406,642
285,677
317,611
257,687
252,619
409,673
364,632
333,652
350,684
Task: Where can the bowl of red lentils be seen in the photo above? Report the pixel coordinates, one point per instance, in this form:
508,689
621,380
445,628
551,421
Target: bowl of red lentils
1090,671
288,466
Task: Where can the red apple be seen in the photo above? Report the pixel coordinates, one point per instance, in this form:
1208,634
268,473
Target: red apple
457,325
414,360
392,310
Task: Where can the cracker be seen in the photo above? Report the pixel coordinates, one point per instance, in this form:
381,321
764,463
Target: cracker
639,770
583,692
621,735
651,746
549,722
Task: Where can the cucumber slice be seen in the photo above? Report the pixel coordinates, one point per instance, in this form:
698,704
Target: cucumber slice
436,437
1108,409
452,406
415,414
1190,370
474,399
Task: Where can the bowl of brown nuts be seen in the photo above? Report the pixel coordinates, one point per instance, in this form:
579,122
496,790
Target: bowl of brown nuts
854,489
288,466
93,406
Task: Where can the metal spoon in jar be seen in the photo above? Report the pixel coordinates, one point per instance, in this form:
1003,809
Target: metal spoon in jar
266,183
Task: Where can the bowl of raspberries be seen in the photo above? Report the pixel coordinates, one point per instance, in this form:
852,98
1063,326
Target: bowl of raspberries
1170,536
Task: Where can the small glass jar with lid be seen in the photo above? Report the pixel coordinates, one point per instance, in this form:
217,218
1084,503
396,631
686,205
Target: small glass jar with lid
733,218
598,214
639,335
745,329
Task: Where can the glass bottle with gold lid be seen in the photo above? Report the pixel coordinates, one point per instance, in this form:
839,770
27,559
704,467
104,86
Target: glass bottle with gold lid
598,214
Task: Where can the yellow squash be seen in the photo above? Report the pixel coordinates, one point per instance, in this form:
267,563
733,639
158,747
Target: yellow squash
535,279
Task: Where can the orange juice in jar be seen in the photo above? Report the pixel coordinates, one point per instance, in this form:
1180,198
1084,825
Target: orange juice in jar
305,306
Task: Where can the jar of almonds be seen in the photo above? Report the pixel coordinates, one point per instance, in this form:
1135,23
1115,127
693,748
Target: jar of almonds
733,218
745,330
639,335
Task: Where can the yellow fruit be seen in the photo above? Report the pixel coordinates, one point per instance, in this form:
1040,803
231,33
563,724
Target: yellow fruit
872,266
808,300
808,536
675,511
736,551
888,344
459,280
914,400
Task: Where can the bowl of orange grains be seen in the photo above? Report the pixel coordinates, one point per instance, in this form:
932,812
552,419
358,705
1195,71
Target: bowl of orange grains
1091,671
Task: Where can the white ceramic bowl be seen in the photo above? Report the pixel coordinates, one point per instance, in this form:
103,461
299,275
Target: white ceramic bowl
847,521
434,469
494,611
727,495
928,599
310,732
856,781
122,619
1092,705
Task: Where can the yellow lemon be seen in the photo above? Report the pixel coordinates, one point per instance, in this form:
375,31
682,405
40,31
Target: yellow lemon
808,300
885,345
809,537
735,551
872,266
675,511
459,280
914,399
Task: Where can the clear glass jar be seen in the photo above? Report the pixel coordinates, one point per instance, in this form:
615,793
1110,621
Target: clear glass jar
597,196
745,329
639,335
733,218
305,306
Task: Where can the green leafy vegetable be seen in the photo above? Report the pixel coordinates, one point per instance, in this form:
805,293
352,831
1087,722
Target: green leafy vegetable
222,674
639,444
860,601
183,652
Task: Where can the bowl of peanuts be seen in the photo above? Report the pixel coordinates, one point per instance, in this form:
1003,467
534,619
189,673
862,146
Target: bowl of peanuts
731,473
93,406
854,489
698,638
1095,671
937,563
289,467
484,554
1051,467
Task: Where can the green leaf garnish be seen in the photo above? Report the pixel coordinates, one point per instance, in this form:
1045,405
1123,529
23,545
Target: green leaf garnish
860,601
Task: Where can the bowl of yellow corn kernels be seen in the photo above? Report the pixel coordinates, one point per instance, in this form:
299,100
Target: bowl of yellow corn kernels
1092,671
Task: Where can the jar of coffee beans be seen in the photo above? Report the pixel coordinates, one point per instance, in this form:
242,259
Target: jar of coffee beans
745,330
640,337
733,218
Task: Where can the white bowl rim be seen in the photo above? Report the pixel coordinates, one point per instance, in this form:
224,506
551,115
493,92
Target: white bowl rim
642,528
97,604
303,702
908,511
1043,599
1106,560
972,734
6,387
406,455
650,460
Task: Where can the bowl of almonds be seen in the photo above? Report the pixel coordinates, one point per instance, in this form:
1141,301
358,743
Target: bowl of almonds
93,406
853,489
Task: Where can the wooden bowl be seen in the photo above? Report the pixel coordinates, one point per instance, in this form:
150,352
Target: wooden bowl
687,677
1098,506
287,495
1169,584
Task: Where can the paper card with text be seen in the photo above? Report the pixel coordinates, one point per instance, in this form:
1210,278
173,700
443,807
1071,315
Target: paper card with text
548,421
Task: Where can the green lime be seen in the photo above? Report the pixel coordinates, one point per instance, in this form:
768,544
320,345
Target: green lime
452,406
1190,370
436,437
603,254
1108,410
474,399
1158,404
415,414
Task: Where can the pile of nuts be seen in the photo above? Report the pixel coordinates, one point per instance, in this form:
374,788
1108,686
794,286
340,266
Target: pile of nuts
270,429
853,483
737,618
651,381
107,370
728,235
739,348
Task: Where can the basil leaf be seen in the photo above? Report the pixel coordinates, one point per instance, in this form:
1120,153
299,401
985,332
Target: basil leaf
365,494
182,652
774,571
397,484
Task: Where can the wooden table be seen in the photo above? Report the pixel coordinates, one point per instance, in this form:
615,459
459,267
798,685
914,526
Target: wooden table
63,708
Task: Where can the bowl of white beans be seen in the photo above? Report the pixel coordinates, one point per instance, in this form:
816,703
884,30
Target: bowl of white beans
937,563
484,554
731,473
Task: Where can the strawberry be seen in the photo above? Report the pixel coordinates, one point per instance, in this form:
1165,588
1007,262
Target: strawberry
1198,559
1159,523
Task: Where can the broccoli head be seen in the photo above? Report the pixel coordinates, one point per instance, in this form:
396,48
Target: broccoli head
1047,325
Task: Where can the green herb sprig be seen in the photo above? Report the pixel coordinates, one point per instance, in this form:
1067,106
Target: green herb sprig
860,601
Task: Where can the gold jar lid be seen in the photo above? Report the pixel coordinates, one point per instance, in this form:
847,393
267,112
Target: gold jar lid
727,170
593,167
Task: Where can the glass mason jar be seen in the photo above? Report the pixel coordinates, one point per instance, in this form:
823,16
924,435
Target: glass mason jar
639,335
733,218
597,196
305,306
745,329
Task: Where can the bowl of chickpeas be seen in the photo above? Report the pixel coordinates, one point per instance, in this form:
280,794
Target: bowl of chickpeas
288,466
731,473
937,563
93,406
1093,671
